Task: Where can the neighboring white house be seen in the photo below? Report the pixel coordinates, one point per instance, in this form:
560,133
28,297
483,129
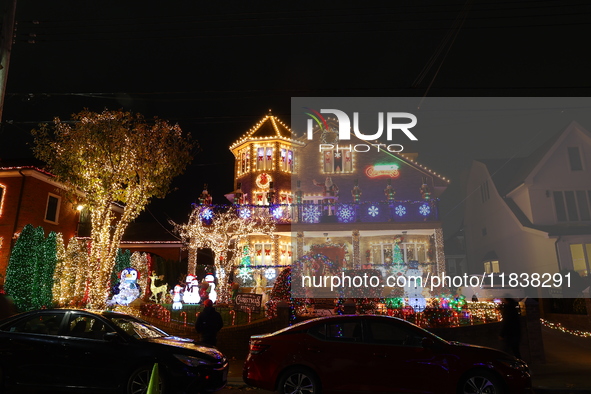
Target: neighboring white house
533,214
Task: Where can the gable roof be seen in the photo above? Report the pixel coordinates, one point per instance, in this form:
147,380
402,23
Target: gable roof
269,127
510,173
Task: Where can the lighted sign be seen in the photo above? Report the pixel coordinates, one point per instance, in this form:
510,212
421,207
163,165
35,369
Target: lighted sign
377,170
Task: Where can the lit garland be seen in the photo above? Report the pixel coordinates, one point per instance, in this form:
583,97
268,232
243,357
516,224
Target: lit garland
224,234
559,327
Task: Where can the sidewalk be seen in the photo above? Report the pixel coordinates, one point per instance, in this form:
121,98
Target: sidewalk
568,364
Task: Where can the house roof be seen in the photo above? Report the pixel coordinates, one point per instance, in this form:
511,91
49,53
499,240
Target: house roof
508,174
270,127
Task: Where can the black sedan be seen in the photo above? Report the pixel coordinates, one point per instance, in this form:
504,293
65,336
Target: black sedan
114,352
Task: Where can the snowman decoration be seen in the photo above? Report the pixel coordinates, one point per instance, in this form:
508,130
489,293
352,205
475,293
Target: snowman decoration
191,294
129,290
413,291
177,297
213,295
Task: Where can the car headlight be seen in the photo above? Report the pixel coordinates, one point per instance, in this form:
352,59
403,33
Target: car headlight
516,364
191,361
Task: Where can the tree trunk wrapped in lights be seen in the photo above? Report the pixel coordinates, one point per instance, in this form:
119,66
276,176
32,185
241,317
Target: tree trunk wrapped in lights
106,158
224,230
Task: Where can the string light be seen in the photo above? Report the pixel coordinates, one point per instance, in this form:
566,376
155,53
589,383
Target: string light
225,234
560,327
112,156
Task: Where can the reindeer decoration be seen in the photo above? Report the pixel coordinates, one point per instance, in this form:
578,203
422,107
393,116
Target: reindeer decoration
156,290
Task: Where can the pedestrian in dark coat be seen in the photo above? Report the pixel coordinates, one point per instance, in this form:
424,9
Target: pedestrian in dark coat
208,323
511,326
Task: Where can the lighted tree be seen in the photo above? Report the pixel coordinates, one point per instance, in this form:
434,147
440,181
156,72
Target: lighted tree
224,231
112,157
139,261
44,271
71,275
59,296
398,266
20,281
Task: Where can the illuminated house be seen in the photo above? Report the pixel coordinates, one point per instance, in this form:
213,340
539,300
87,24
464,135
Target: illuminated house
532,214
359,210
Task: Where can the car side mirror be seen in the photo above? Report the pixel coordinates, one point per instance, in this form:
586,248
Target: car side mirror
111,336
427,342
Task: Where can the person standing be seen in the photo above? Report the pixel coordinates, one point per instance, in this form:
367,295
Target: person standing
209,323
511,326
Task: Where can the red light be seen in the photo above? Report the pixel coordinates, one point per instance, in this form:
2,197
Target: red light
257,348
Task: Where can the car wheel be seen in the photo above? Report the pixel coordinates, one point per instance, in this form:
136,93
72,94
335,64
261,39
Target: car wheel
481,382
140,379
298,381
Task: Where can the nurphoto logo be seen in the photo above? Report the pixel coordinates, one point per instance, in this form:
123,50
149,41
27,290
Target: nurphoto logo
345,124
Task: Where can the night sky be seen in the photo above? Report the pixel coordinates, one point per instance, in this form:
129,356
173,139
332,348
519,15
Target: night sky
217,67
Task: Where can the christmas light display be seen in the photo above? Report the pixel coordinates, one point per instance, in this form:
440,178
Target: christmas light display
129,290
108,157
21,280
224,235
560,327
58,274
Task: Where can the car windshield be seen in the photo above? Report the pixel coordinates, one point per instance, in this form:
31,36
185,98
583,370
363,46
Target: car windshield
138,329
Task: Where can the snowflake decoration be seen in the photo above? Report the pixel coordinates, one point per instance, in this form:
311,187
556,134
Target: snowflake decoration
245,213
244,274
207,214
400,210
278,212
345,213
373,211
424,209
311,214
270,273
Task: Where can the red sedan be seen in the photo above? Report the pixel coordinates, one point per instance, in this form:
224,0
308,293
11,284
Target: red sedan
360,353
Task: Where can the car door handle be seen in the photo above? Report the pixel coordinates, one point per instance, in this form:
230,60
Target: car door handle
313,349
383,355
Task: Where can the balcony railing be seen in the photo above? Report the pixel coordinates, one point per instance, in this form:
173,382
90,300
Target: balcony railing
395,211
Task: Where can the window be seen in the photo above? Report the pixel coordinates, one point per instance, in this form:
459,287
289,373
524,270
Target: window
44,323
285,198
389,253
386,333
2,187
286,163
491,266
580,254
265,158
340,331
572,206
263,254
52,209
86,327
484,192
574,158
244,164
337,161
